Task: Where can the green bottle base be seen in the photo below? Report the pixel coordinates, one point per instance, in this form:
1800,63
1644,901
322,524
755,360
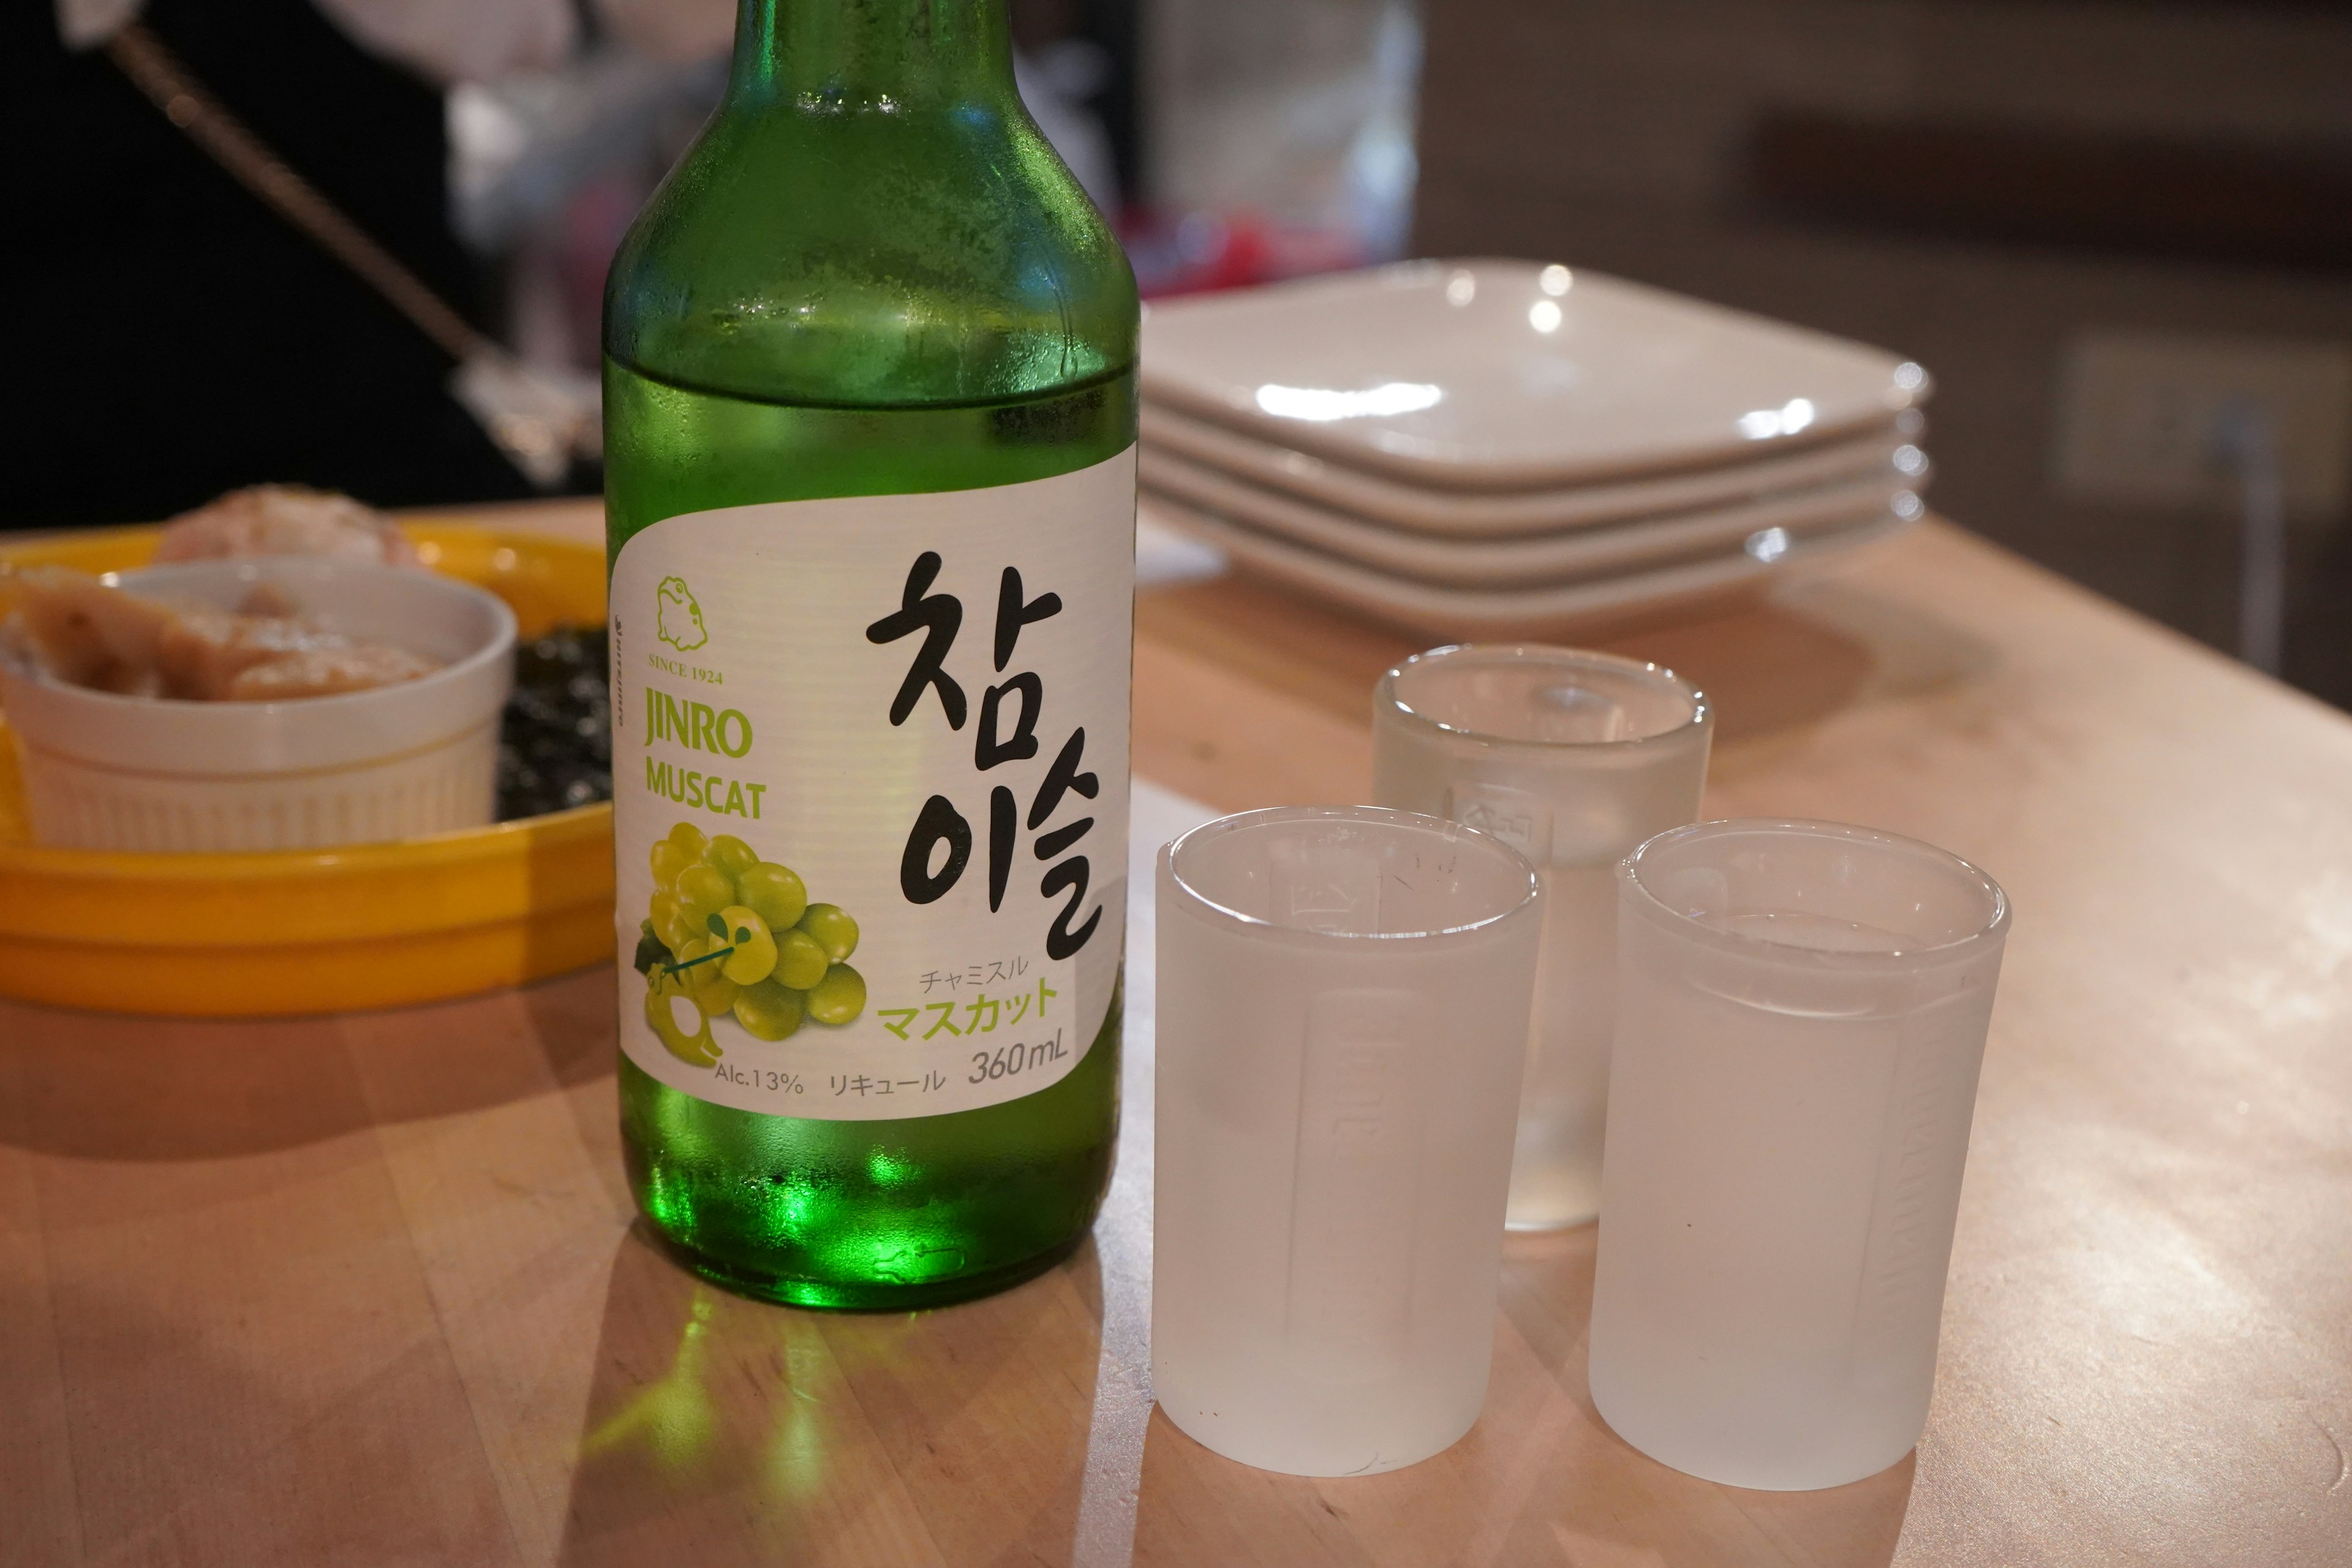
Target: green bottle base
837,1297
874,1215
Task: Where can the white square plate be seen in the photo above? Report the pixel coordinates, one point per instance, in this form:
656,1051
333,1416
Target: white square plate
1541,560
1878,453
1448,614
1507,374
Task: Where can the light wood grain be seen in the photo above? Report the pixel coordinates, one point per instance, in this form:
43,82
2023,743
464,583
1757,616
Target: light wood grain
365,1289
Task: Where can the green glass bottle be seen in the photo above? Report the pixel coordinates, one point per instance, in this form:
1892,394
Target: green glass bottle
869,411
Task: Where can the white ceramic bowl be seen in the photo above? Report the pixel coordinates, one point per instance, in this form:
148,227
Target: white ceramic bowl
103,772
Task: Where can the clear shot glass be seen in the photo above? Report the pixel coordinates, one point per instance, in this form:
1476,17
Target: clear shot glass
1342,1007
1801,1014
1573,758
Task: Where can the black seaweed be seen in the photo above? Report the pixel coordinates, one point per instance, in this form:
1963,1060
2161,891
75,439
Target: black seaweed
555,739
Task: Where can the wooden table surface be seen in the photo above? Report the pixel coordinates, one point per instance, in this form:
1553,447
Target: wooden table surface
365,1290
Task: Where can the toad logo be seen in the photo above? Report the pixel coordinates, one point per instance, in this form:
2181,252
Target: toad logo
680,623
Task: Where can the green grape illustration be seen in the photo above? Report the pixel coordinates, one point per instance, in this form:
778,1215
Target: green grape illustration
737,936
770,1011
838,997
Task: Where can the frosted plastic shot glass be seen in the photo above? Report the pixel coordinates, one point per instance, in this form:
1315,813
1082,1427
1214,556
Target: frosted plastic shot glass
1801,1015
1574,758
1342,1004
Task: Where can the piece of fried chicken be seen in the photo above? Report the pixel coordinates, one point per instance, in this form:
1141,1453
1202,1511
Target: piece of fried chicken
89,633
285,520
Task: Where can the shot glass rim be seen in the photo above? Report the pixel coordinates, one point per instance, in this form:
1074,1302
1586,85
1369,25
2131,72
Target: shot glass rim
1993,930
1388,815
1702,712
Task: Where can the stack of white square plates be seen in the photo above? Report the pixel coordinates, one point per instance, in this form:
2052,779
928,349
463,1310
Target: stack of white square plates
1501,447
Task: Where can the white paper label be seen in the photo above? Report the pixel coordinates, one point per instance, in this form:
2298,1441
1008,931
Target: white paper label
918,703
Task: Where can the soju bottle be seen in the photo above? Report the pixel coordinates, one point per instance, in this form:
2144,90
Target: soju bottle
869,408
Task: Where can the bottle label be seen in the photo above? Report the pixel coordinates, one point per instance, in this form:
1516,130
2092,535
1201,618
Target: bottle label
870,789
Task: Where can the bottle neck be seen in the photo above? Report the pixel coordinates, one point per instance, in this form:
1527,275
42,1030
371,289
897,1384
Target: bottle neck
862,55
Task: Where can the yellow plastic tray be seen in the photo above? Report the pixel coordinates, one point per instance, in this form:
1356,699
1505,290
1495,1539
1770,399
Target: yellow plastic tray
378,925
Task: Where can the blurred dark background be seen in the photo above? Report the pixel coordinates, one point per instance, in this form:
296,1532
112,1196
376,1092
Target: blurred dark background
2115,230
2096,222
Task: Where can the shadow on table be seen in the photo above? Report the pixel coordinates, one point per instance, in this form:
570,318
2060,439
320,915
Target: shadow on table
1769,665
1540,1479
723,1431
101,1086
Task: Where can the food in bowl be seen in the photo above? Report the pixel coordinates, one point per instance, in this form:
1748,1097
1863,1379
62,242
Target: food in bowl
105,770
85,631
284,520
